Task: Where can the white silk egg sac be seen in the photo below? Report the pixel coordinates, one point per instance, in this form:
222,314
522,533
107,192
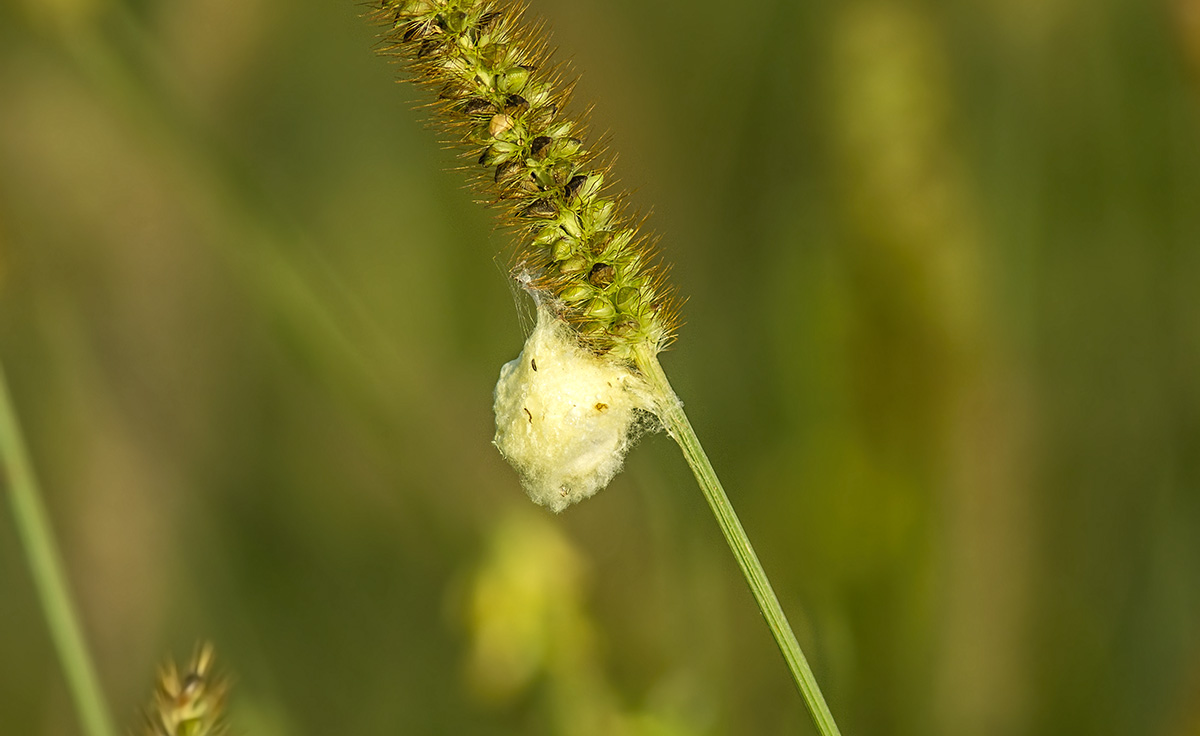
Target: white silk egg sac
565,417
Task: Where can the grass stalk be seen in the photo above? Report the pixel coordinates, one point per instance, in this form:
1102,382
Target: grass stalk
675,420
46,568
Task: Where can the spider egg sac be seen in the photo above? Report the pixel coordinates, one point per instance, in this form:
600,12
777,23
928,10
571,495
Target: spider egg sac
565,417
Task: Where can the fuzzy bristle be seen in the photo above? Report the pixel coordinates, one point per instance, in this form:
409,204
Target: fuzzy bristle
497,96
191,703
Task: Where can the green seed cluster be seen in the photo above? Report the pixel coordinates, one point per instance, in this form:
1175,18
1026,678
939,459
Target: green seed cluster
580,254
189,703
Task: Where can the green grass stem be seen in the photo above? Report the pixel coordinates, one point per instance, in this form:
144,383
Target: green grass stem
680,428
37,538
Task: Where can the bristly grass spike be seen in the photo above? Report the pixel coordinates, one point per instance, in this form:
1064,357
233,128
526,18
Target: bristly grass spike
569,406
498,96
191,703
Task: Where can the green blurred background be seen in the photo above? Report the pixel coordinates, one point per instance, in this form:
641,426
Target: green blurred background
942,343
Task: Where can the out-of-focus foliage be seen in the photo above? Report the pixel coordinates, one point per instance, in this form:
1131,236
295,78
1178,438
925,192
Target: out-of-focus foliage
943,344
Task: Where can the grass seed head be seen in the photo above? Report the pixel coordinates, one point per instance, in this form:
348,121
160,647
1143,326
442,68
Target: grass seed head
191,703
497,96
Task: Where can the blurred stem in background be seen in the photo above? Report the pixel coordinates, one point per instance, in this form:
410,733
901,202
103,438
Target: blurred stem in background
938,361
46,569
